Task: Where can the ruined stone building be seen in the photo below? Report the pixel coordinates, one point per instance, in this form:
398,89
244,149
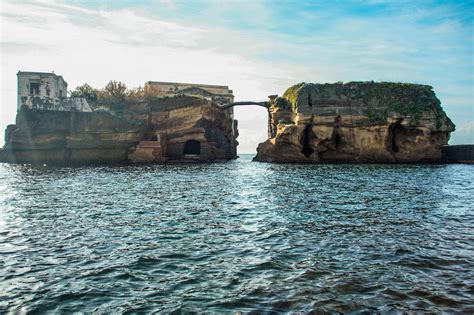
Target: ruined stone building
187,121
173,122
219,94
47,91
311,122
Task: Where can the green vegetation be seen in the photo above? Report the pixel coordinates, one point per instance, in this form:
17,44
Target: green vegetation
380,98
291,95
114,96
86,91
285,122
282,103
385,97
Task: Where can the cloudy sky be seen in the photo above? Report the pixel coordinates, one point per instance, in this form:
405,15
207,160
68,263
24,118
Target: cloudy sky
256,47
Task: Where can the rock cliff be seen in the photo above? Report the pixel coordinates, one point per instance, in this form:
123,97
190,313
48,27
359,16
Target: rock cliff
357,122
41,136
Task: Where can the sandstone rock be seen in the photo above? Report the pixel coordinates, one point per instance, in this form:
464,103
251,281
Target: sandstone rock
357,122
41,136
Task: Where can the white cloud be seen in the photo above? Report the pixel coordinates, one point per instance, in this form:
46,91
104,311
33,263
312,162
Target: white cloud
464,133
120,45
95,46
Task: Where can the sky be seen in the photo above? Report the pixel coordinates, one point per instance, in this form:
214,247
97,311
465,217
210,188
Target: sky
257,48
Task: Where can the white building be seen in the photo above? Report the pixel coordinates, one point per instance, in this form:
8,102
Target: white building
46,91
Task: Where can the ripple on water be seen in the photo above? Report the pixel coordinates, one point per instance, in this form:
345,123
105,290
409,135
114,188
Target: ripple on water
237,236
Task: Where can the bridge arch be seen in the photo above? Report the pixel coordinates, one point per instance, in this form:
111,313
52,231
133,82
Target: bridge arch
271,129
229,105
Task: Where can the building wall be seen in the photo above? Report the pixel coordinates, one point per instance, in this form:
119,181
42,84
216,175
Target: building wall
167,88
173,88
50,86
219,94
46,91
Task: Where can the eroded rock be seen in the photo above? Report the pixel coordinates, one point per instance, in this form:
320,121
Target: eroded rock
357,122
155,130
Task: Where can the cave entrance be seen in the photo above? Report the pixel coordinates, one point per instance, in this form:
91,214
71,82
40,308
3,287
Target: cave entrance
306,141
337,141
192,147
396,133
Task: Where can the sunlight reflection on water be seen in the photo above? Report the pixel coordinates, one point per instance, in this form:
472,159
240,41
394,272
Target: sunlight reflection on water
237,236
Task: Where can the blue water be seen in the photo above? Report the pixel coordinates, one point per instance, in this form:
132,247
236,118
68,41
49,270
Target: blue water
237,236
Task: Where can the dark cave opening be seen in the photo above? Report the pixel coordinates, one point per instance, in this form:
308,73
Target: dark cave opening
395,132
306,141
337,141
192,147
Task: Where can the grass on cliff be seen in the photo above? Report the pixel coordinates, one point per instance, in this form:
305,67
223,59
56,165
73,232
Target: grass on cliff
291,95
381,99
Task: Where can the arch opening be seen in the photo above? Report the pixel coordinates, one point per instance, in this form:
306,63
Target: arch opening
192,147
252,127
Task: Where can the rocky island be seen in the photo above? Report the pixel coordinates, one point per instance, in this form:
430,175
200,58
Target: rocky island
164,121
356,122
380,122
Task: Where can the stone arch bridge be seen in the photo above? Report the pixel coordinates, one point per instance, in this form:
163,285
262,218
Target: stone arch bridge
271,131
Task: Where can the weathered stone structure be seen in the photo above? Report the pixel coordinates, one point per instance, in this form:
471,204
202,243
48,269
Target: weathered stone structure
40,136
357,122
188,128
177,125
180,128
218,94
46,91
351,122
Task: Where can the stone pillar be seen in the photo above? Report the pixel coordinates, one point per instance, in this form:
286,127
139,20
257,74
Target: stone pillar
271,128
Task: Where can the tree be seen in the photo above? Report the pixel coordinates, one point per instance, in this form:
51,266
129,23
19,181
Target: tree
117,90
88,92
135,95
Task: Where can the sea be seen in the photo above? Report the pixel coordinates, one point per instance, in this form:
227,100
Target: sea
237,237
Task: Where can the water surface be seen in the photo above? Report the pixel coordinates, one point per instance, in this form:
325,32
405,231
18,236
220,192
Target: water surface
237,236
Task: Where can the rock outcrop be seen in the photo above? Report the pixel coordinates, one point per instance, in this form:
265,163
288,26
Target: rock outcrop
68,137
41,136
357,122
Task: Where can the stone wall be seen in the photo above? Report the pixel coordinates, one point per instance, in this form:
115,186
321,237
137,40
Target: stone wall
34,86
55,104
46,91
172,88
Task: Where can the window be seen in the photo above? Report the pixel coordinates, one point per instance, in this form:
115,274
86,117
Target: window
34,88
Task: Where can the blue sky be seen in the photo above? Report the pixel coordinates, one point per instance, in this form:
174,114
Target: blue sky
256,47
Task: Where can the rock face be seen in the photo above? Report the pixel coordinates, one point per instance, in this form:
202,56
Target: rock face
177,124
357,122
61,137
195,128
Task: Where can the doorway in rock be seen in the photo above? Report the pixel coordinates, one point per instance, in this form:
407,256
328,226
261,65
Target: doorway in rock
192,147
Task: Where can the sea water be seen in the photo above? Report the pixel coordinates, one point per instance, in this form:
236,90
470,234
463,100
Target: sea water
237,236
